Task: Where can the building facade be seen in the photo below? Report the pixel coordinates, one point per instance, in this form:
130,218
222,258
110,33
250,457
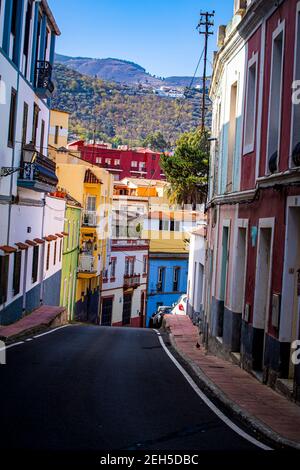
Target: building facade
140,163
30,262
168,233
196,276
252,307
124,289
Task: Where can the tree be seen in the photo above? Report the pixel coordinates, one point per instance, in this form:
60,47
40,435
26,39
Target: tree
156,141
187,169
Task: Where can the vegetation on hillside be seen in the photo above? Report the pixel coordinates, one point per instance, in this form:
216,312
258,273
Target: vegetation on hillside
187,169
121,114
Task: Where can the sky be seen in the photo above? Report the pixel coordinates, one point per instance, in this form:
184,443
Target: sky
159,35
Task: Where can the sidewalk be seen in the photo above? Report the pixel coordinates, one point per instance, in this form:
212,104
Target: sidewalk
264,409
40,319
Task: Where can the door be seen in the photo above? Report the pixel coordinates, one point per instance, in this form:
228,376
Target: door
126,317
142,309
107,306
262,296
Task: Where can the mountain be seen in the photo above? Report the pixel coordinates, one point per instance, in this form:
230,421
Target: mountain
120,71
121,113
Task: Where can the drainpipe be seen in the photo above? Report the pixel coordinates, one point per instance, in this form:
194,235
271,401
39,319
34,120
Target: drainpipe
43,255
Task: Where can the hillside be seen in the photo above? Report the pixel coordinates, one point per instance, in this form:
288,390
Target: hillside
120,71
115,110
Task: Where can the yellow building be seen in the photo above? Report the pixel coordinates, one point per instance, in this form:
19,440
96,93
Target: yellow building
59,127
92,187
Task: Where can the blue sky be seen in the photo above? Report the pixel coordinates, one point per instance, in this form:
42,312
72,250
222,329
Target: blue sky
160,35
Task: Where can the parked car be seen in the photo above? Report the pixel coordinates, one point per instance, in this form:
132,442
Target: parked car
157,317
181,306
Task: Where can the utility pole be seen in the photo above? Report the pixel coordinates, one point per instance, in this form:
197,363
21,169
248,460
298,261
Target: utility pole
205,28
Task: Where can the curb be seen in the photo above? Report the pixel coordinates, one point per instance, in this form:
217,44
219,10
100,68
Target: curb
208,385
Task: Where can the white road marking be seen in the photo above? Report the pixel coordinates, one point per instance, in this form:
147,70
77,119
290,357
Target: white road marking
51,331
11,345
209,403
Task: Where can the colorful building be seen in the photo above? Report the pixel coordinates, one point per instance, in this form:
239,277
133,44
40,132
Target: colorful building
124,287
252,298
70,256
168,233
140,163
30,256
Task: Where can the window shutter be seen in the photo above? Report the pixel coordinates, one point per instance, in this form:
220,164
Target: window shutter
4,263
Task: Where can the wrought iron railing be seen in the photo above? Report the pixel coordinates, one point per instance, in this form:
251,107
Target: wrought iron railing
44,83
133,280
89,218
42,169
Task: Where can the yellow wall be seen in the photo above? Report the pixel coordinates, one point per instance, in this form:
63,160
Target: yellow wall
166,242
60,119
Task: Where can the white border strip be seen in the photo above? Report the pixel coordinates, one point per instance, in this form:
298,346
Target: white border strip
207,401
51,331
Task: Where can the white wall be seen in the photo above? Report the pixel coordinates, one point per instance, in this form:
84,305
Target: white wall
196,272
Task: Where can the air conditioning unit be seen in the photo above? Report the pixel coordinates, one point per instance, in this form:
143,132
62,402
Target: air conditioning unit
240,6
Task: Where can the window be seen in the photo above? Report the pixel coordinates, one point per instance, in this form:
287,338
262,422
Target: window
91,203
134,164
275,99
145,264
24,124
142,165
55,251
295,142
176,272
107,161
164,225
27,35
113,267
60,250
161,279
117,162
231,136
250,106
35,264
129,266
12,118
48,257
17,272
56,135
35,123
98,160
4,264
14,32
42,136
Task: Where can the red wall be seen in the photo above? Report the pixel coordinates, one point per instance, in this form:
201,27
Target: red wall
249,160
286,11
152,168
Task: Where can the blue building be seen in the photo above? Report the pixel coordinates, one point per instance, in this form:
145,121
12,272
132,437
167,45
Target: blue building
167,280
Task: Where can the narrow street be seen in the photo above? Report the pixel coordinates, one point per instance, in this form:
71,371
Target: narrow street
85,388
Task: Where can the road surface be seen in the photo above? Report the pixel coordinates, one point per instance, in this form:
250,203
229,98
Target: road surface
89,388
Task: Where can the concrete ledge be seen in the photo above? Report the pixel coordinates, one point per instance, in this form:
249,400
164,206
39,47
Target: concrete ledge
209,386
40,319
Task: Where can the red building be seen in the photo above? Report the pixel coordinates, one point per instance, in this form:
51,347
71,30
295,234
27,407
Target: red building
141,163
253,303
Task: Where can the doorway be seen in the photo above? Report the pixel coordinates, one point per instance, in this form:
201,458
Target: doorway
126,316
107,307
223,283
262,295
240,279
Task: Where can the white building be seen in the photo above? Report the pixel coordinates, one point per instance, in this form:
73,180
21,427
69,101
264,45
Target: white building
124,287
196,275
29,269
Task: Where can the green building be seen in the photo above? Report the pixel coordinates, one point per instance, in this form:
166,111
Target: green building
70,255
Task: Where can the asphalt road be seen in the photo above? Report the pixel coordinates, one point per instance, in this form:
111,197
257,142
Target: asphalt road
98,389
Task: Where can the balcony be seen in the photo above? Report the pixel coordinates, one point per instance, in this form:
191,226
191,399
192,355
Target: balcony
38,175
131,281
87,265
44,84
89,219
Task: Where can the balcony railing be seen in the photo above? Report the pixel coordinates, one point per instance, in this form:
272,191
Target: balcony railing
87,263
131,281
89,218
44,83
38,175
